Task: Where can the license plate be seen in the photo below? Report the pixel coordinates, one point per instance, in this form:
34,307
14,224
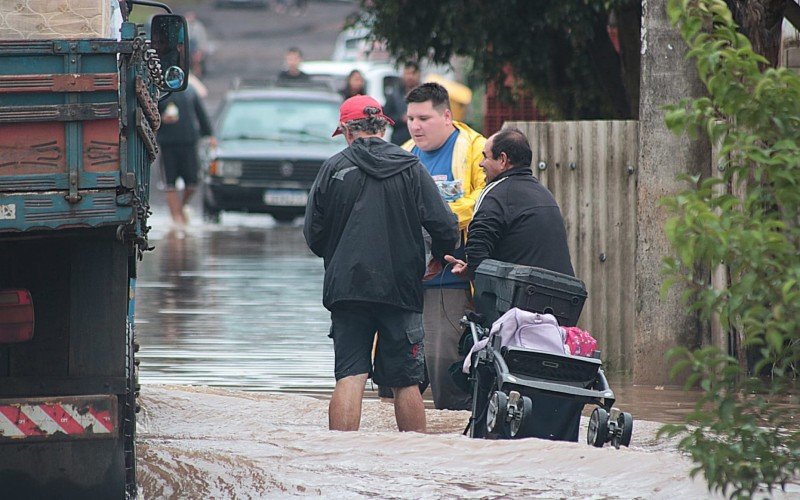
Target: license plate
285,198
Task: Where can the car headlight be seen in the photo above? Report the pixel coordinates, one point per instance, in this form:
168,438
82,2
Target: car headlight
225,168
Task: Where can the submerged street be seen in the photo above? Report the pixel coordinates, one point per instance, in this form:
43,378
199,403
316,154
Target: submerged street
236,369
236,366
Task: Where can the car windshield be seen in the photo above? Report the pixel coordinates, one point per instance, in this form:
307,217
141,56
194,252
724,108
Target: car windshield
280,120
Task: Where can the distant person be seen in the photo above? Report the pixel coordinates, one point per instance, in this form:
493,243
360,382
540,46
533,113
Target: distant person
516,219
198,42
396,103
183,122
364,217
354,85
451,153
292,73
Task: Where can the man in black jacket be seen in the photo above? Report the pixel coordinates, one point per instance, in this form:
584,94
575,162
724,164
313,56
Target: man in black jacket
364,217
183,122
516,219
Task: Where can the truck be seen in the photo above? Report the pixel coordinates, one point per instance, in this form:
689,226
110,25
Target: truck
79,89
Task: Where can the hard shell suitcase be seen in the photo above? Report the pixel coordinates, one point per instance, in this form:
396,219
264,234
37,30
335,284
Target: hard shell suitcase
499,286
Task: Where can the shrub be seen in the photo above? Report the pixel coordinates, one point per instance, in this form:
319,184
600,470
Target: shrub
746,219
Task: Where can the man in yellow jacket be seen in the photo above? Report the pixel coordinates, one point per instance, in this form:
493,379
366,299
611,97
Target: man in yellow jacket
451,152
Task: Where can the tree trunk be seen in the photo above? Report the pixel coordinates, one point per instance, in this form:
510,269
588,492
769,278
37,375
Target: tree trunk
608,72
761,21
629,27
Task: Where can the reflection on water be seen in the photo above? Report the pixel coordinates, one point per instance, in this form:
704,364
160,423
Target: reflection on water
235,306
238,305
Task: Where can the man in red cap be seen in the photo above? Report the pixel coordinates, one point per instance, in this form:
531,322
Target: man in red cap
364,217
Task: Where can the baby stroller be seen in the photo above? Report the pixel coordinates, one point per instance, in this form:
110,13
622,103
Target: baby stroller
521,392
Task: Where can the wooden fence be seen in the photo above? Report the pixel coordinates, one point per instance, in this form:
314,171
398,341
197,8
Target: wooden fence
591,168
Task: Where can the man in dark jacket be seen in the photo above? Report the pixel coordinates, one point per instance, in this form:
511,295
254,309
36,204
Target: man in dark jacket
516,219
183,122
364,217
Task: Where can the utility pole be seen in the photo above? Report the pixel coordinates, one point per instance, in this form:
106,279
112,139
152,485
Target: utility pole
666,78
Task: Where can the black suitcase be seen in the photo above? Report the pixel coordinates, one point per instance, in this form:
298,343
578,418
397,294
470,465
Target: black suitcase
499,286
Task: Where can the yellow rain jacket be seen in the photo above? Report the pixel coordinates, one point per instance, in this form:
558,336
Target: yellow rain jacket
467,156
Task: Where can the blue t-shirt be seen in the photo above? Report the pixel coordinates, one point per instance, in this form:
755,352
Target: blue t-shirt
439,163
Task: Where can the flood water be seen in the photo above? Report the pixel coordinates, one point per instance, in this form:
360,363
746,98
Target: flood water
236,367
238,305
234,305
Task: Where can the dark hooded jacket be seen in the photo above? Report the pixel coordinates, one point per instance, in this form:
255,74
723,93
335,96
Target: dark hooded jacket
365,216
517,220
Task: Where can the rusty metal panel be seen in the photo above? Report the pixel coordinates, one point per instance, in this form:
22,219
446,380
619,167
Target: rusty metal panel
59,112
32,148
101,145
38,149
590,167
58,83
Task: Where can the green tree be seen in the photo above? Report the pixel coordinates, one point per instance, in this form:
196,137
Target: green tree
560,50
741,434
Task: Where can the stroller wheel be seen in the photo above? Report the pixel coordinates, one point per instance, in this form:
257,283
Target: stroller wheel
521,420
598,428
625,422
496,412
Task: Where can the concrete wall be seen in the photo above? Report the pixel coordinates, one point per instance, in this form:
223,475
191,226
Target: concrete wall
666,78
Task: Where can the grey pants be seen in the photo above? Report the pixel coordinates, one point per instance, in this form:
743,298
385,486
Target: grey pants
442,333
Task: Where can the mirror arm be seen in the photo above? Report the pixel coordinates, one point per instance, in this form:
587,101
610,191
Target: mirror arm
164,96
150,4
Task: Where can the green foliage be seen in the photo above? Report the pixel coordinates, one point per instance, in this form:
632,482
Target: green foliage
739,437
560,50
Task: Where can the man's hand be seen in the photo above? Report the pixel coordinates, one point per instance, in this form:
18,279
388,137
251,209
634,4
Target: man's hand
459,266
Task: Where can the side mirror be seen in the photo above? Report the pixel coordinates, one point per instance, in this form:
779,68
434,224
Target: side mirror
169,36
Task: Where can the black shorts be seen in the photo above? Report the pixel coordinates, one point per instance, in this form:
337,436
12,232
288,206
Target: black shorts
180,161
400,355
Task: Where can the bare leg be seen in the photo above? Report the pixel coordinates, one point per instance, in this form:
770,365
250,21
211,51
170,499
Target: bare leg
344,411
188,191
175,206
409,410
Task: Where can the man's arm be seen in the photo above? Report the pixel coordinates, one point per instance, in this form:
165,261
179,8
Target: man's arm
315,229
436,216
206,130
465,206
487,228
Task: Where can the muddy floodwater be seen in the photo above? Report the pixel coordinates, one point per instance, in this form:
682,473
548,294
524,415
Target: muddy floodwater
236,368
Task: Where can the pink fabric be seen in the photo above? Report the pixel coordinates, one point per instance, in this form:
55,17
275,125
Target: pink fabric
580,342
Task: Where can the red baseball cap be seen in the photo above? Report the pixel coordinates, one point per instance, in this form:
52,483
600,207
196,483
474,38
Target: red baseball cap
353,109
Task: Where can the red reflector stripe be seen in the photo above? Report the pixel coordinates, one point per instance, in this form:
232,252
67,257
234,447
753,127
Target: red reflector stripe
45,419
104,417
21,421
63,419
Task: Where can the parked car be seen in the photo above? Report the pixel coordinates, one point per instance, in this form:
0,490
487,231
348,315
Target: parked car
271,144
